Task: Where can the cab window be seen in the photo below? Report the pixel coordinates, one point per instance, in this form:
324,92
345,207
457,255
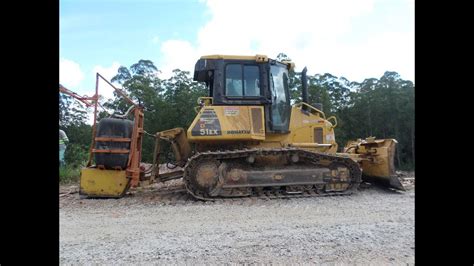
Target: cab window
242,80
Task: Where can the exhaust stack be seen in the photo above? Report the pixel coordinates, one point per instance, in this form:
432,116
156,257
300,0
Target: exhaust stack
304,83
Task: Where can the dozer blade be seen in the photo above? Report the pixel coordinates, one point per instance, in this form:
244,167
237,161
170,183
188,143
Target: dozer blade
390,181
376,158
395,183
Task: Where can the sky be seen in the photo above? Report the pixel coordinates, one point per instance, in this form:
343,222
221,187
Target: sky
355,39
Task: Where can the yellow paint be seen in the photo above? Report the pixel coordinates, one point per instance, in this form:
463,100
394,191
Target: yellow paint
239,118
236,123
302,125
376,157
103,183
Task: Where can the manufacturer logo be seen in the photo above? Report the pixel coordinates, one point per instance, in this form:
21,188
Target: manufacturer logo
234,132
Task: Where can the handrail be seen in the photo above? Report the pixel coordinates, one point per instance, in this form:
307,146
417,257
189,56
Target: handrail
204,100
335,121
311,107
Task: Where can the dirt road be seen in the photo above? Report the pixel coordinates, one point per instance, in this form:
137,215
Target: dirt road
373,226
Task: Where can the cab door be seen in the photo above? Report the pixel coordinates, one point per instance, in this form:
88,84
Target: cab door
280,100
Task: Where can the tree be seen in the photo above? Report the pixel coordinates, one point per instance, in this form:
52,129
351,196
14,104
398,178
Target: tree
318,93
282,57
383,108
72,119
70,111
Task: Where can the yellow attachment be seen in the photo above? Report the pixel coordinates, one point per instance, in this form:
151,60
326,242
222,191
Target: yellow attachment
103,183
179,143
376,156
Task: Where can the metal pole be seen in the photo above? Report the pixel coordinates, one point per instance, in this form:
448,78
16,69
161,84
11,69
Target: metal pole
95,118
119,91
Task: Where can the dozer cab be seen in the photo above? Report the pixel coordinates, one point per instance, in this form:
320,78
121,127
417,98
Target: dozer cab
246,139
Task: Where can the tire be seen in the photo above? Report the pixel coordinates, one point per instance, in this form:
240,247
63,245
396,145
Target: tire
113,128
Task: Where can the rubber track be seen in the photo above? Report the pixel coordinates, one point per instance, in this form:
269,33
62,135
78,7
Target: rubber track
309,156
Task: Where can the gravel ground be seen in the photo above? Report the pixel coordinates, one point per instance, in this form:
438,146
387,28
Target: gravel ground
374,226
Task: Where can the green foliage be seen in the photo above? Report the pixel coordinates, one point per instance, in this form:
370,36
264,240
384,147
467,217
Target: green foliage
383,108
80,134
80,137
72,118
170,103
69,174
71,112
75,155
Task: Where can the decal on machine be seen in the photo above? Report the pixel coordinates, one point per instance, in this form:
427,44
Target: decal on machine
231,111
330,137
207,125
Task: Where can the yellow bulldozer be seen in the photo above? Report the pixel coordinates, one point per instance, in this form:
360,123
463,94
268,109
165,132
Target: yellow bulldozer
245,139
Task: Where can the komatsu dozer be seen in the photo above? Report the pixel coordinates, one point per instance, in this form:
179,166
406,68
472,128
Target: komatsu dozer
246,139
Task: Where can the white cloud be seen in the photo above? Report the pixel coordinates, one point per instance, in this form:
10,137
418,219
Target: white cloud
70,74
177,54
310,32
108,73
390,51
71,77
